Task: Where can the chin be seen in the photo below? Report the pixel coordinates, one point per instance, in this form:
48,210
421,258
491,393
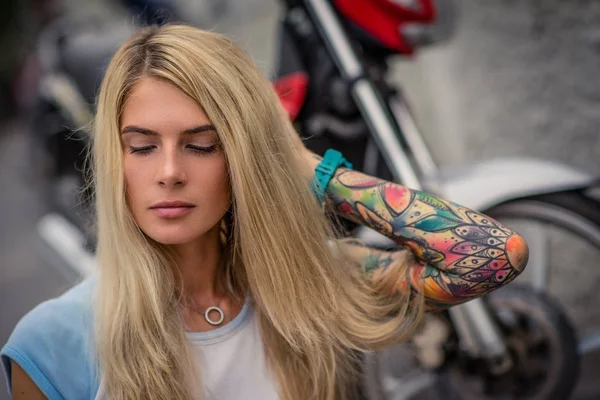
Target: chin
171,240
176,236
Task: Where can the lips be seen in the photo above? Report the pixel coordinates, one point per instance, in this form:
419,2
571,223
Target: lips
172,203
172,209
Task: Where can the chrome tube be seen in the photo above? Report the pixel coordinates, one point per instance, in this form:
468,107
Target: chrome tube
366,96
414,139
485,332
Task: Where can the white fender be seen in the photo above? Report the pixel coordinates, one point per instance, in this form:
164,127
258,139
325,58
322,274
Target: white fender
483,185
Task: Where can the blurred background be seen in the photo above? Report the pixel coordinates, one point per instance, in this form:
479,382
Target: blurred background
515,78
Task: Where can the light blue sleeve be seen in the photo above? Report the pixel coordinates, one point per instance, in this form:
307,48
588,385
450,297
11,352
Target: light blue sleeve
53,344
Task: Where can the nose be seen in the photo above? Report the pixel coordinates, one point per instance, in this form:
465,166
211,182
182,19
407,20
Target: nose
171,169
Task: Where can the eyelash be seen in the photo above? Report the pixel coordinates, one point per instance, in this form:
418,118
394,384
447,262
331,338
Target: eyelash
199,150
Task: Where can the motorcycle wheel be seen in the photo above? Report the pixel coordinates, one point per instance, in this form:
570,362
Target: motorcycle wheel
542,345
562,230
571,217
563,233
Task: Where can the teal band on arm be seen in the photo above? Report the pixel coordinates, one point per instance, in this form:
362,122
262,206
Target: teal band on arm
332,160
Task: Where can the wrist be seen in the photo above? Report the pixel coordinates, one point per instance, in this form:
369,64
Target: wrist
324,170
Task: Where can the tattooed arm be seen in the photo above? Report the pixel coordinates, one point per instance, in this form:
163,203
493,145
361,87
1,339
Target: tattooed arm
459,254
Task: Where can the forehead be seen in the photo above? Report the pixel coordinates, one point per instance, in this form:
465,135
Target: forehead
158,104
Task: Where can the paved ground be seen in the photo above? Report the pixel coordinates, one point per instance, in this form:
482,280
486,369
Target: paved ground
519,78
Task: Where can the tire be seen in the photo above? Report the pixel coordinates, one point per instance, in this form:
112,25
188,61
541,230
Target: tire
576,211
563,232
543,346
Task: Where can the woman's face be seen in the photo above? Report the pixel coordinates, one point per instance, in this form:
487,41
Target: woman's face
175,172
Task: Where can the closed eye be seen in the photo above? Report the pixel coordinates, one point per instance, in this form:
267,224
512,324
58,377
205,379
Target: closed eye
202,150
141,150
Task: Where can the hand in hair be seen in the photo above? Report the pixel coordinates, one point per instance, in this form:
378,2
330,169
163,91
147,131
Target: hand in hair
459,254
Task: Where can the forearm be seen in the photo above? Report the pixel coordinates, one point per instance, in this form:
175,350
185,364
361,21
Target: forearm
459,253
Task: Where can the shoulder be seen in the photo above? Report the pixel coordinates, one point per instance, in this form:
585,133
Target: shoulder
53,343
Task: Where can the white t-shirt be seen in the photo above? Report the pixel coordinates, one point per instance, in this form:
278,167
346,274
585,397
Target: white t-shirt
231,361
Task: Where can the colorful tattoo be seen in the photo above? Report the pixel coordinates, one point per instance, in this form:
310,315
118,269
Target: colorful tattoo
459,253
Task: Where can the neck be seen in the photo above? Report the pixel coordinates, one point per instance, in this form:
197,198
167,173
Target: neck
198,263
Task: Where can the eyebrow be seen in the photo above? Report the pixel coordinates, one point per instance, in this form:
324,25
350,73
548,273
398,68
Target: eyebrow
150,132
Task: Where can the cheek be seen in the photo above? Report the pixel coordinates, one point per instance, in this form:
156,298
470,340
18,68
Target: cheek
217,183
135,178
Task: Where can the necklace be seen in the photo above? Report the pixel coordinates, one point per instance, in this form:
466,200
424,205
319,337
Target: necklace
192,306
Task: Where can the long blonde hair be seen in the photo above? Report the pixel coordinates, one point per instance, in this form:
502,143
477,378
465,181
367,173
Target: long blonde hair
316,310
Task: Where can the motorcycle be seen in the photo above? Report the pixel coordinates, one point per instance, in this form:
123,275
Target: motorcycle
332,72
332,79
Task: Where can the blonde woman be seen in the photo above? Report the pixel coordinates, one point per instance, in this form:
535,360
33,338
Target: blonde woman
218,273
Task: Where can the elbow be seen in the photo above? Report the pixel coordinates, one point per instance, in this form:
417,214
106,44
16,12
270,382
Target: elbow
517,252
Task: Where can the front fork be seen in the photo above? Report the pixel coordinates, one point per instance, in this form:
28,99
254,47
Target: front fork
477,331
479,335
